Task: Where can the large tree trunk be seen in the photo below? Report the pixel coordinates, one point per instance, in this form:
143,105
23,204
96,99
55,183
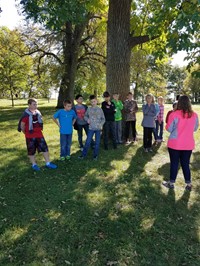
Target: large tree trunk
71,44
118,47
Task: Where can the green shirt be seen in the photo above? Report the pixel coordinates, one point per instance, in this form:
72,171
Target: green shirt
118,108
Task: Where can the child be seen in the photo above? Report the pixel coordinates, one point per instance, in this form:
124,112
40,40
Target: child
80,110
159,120
31,125
118,117
109,127
174,106
148,122
95,118
65,119
130,108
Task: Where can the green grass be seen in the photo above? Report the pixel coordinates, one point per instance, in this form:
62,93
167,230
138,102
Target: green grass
110,212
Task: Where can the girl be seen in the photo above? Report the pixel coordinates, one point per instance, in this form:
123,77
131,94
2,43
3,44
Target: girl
148,122
181,124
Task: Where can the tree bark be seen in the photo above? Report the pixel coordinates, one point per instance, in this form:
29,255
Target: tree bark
119,45
71,44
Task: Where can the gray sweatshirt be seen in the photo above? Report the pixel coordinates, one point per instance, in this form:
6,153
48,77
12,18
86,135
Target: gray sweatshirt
149,113
96,118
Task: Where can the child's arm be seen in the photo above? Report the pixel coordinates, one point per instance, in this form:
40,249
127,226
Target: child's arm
74,118
22,125
103,120
135,109
57,122
121,106
86,116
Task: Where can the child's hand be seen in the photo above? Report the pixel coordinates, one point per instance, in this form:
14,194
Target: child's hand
88,121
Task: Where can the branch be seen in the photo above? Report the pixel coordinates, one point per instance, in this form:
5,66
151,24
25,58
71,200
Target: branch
90,56
141,39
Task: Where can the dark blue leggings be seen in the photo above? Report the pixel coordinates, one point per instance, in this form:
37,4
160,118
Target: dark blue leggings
184,157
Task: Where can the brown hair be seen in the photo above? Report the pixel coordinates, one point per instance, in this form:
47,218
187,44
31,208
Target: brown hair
32,100
184,104
65,102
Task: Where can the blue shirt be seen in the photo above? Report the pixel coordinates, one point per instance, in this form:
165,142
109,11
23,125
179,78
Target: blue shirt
66,120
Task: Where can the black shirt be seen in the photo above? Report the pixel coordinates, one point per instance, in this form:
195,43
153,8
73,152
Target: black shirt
109,111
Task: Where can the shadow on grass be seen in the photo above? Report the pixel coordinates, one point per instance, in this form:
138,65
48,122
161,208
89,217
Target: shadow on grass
105,212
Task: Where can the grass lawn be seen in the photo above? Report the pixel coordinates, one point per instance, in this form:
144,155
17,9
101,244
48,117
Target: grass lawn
113,211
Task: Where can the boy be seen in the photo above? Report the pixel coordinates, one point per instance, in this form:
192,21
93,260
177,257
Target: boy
31,125
130,109
65,119
109,127
95,118
118,117
80,110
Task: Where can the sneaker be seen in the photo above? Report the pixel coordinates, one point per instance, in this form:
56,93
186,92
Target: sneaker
150,150
168,184
81,149
68,157
146,150
35,167
127,142
51,166
81,157
62,158
95,158
188,187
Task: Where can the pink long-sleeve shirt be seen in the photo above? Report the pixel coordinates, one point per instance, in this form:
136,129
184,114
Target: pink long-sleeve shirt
181,130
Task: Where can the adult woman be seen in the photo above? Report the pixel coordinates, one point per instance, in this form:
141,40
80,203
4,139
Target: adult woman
181,124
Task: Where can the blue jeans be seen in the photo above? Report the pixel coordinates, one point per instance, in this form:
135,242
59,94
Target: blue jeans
118,131
184,157
159,130
65,144
90,135
80,133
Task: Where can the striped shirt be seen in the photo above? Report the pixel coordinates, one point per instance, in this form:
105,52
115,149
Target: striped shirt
160,115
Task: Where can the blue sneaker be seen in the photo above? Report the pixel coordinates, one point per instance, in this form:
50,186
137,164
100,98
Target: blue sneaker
51,166
35,167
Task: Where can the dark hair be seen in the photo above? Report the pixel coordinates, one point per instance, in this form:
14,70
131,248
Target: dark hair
106,94
174,104
65,102
92,97
130,93
184,104
32,100
78,96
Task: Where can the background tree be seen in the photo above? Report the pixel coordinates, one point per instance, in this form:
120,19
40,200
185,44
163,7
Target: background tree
136,22
192,84
14,70
68,21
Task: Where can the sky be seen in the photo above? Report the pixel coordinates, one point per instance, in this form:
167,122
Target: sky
10,18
